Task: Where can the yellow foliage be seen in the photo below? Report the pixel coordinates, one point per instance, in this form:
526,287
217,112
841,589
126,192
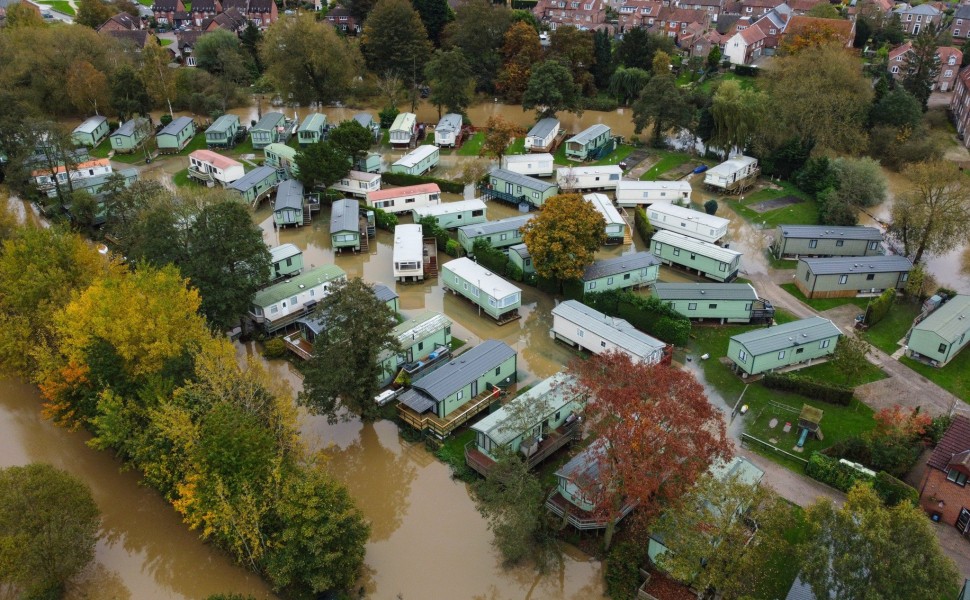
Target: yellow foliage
564,237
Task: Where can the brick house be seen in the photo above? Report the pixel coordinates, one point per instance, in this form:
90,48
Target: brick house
164,11
944,493
674,21
698,42
960,24
745,46
581,14
948,57
262,13
915,18
637,13
756,8
960,105
342,20
712,7
231,20
204,9
120,22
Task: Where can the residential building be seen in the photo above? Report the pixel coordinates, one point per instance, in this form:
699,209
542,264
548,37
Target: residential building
313,129
288,209
449,215
949,59
685,221
514,188
581,14
795,343
185,42
130,135
542,136
627,271
632,192
594,179
587,143
826,240
637,13
120,22
500,234
222,133
539,165
745,46
286,260
130,40
164,11
577,485
404,130
616,226
588,329
841,29
261,13
91,132
493,295
757,8
732,175
98,186
256,185
269,130
448,130
915,18
520,257
720,302
943,493
209,167
282,158
370,162
203,10
175,136
418,161
345,225
231,20
676,20
696,256
408,256
343,20
405,199
848,276
960,106
368,122
424,338
76,177
960,23
939,337
281,304
358,183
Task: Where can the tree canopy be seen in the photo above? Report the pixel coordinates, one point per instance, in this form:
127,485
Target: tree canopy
479,31
450,77
551,89
394,39
564,237
662,104
322,164
520,52
929,218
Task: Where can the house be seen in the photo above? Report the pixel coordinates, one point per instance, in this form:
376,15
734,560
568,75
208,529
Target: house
448,130
756,8
721,302
256,185
520,257
312,129
288,209
204,9
594,179
848,276
616,229
734,174
542,136
628,271
586,144
494,296
345,225
91,132
745,46
388,296
451,395
175,136
222,133
286,261
209,167
637,13
676,20
915,18
692,223
268,130
261,13
696,256
588,329
367,122
577,483
500,234
130,40
408,257
120,22
405,199
842,30
281,304
940,336
960,23
282,158
943,493
343,20
130,135
536,423
185,42
358,183
630,193
826,240
418,161
583,15
164,11
540,165
960,105
424,338
764,350
513,188
949,59
404,130
449,215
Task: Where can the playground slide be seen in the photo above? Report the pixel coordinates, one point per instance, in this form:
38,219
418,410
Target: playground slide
801,438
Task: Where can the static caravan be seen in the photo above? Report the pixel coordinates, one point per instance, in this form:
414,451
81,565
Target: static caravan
584,145
448,130
91,132
130,136
500,234
404,130
494,296
572,500
940,336
516,189
281,304
48,182
630,193
418,161
175,136
358,183
372,162
539,165
408,254
282,158
423,338
734,174
627,271
313,129
709,260
520,257
798,342
692,223
369,123
345,225
721,302
269,130
594,179
826,240
286,260
98,186
256,185
222,133
583,327
449,215
542,136
616,229
405,199
848,276
387,296
289,204
210,168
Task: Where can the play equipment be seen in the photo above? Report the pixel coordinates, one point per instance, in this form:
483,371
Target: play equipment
801,438
808,423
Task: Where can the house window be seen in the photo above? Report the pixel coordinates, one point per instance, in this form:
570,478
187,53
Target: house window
420,346
747,306
273,309
799,350
812,243
894,70
748,9
952,61
840,243
919,18
498,370
579,332
293,300
723,267
692,306
956,477
693,256
592,285
870,276
742,355
781,355
602,344
626,276
948,73
712,306
942,349
905,277
824,344
461,394
843,279
676,251
609,281
872,245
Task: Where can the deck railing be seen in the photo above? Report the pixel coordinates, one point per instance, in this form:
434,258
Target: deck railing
482,463
442,428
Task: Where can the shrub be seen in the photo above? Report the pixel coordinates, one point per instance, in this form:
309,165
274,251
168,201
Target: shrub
452,187
274,348
710,207
384,220
623,570
453,248
938,426
491,258
387,116
165,119
514,272
810,388
880,307
893,491
831,472
643,225
646,313
746,71
430,228
855,449
599,103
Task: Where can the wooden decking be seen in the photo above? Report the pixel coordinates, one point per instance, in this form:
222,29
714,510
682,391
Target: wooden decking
299,346
430,423
430,253
579,518
552,441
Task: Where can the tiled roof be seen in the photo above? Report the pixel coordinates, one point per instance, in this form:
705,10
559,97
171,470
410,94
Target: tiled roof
954,441
138,37
752,35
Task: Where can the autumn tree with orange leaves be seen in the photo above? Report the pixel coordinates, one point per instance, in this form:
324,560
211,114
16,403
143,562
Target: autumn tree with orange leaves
661,434
564,237
499,133
521,51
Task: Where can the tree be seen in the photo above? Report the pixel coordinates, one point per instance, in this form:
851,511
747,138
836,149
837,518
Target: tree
813,35
659,434
662,104
602,58
394,39
345,369
626,84
564,237
20,15
637,48
896,442
855,551
897,108
710,207
714,58
159,78
307,60
322,164
850,358
451,81
499,133
824,11
920,283
93,13
48,528
128,94
738,116
661,63
921,65
87,87
929,218
860,181
551,89
834,209
574,49
435,14
479,31
351,138
251,38
520,52
221,54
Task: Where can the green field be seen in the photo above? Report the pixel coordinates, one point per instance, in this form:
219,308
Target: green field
165,42
954,377
821,304
802,213
517,147
746,82
61,6
181,179
668,160
197,143
886,333
473,146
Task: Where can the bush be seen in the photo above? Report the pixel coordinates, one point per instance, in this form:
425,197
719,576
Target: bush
387,116
165,119
810,388
384,220
274,348
646,313
855,449
746,71
623,570
831,472
893,491
514,272
430,228
453,248
710,207
600,103
643,225
452,187
491,258
939,425
880,307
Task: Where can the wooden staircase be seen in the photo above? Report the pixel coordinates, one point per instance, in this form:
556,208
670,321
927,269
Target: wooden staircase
430,257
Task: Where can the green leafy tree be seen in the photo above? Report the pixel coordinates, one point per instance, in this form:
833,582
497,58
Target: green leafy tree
48,528
351,138
637,48
860,181
930,217
897,108
850,358
220,54
574,49
93,13
921,65
394,39
251,38
520,52
714,58
824,11
835,209
435,14
710,207
451,81
662,104
738,115
322,164
627,83
344,371
129,97
551,89
479,31
564,237
20,16
602,58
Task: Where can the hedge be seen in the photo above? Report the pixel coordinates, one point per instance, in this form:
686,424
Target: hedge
384,220
643,225
646,313
452,187
430,228
491,258
810,388
746,71
893,491
832,472
880,307
623,570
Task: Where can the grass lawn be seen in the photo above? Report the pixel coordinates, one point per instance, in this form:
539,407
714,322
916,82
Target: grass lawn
821,304
803,213
886,333
244,148
452,453
134,158
473,145
197,143
181,179
616,157
166,42
829,372
456,343
746,82
517,147
668,160
954,377
61,6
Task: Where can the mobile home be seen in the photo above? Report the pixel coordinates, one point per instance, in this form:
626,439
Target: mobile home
826,240
408,254
721,302
585,328
542,136
500,234
222,133
369,123
286,260
91,132
256,185
289,204
520,257
130,136
313,129
372,162
358,183
48,182
449,215
627,271
940,336
616,230
708,260
848,276
494,296
630,193
594,179
175,136
210,168
538,165
345,225
516,189
404,130
418,161
692,223
448,130
405,199
732,175
423,338
281,304
797,342
269,130
282,158
583,145
576,485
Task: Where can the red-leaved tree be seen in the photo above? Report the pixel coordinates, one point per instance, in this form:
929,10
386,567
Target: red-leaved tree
660,435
